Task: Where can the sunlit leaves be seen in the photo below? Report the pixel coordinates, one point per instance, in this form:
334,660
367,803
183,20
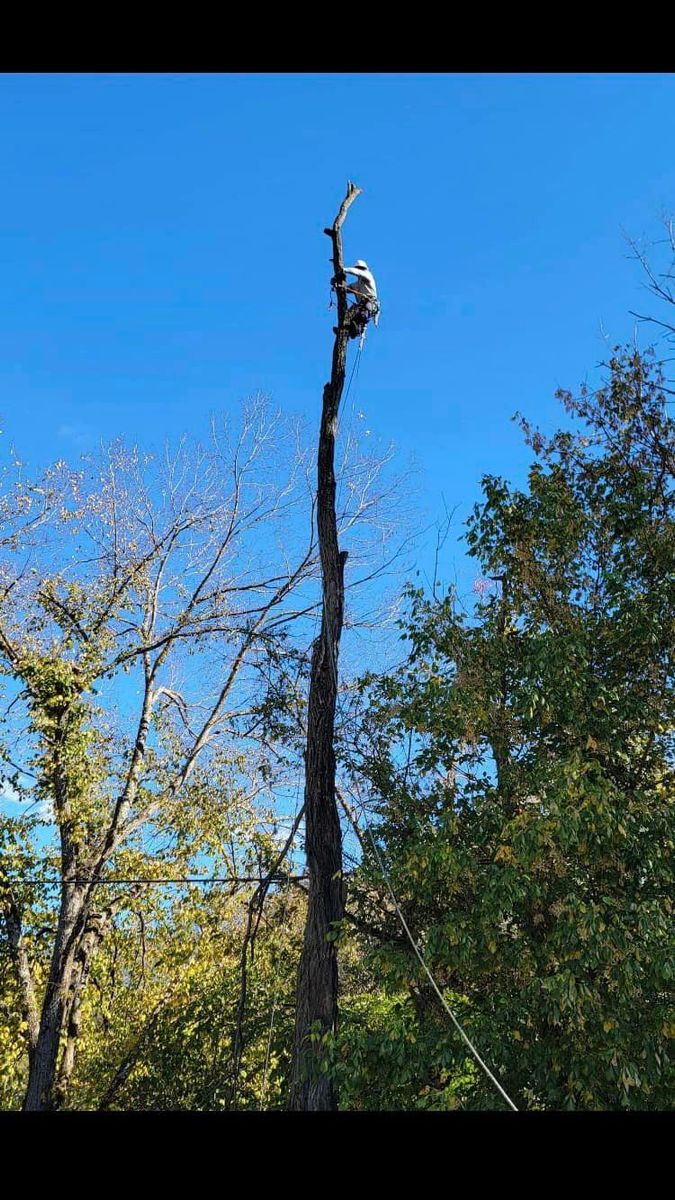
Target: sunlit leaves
521,762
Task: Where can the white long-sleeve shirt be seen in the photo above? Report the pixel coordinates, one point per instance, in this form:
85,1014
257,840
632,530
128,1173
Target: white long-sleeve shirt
365,282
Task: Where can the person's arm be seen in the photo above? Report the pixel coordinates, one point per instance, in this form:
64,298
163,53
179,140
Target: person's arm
351,271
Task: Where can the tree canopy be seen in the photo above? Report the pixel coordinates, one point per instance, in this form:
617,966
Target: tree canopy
512,772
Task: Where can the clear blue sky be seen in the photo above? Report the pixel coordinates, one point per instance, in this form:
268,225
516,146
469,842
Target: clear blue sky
162,253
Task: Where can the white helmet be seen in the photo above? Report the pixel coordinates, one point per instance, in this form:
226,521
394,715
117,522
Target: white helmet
360,263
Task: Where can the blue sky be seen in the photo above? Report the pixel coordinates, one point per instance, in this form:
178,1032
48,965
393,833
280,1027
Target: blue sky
162,253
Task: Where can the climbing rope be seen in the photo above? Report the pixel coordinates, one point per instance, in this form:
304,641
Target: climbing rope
423,963
432,981
355,370
483,1065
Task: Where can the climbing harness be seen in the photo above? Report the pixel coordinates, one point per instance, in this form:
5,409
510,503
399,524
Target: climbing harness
360,314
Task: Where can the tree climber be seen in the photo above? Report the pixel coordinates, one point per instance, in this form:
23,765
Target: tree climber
367,305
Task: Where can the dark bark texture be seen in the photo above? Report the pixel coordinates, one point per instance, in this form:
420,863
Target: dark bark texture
40,1092
317,990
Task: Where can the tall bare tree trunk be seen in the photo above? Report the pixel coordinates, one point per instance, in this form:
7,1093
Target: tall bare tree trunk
317,990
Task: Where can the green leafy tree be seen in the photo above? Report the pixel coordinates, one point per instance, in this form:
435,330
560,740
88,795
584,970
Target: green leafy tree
521,763
161,1014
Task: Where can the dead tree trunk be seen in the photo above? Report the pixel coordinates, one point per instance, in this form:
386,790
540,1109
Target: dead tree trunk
317,990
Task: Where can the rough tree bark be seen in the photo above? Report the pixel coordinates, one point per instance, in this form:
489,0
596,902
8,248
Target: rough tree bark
317,990
14,931
43,1063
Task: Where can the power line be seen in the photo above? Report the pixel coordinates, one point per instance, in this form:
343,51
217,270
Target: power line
180,879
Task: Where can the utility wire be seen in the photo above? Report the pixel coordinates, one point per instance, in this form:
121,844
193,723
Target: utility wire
282,878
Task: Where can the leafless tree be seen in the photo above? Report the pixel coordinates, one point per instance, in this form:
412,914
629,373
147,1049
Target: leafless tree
139,643
657,259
